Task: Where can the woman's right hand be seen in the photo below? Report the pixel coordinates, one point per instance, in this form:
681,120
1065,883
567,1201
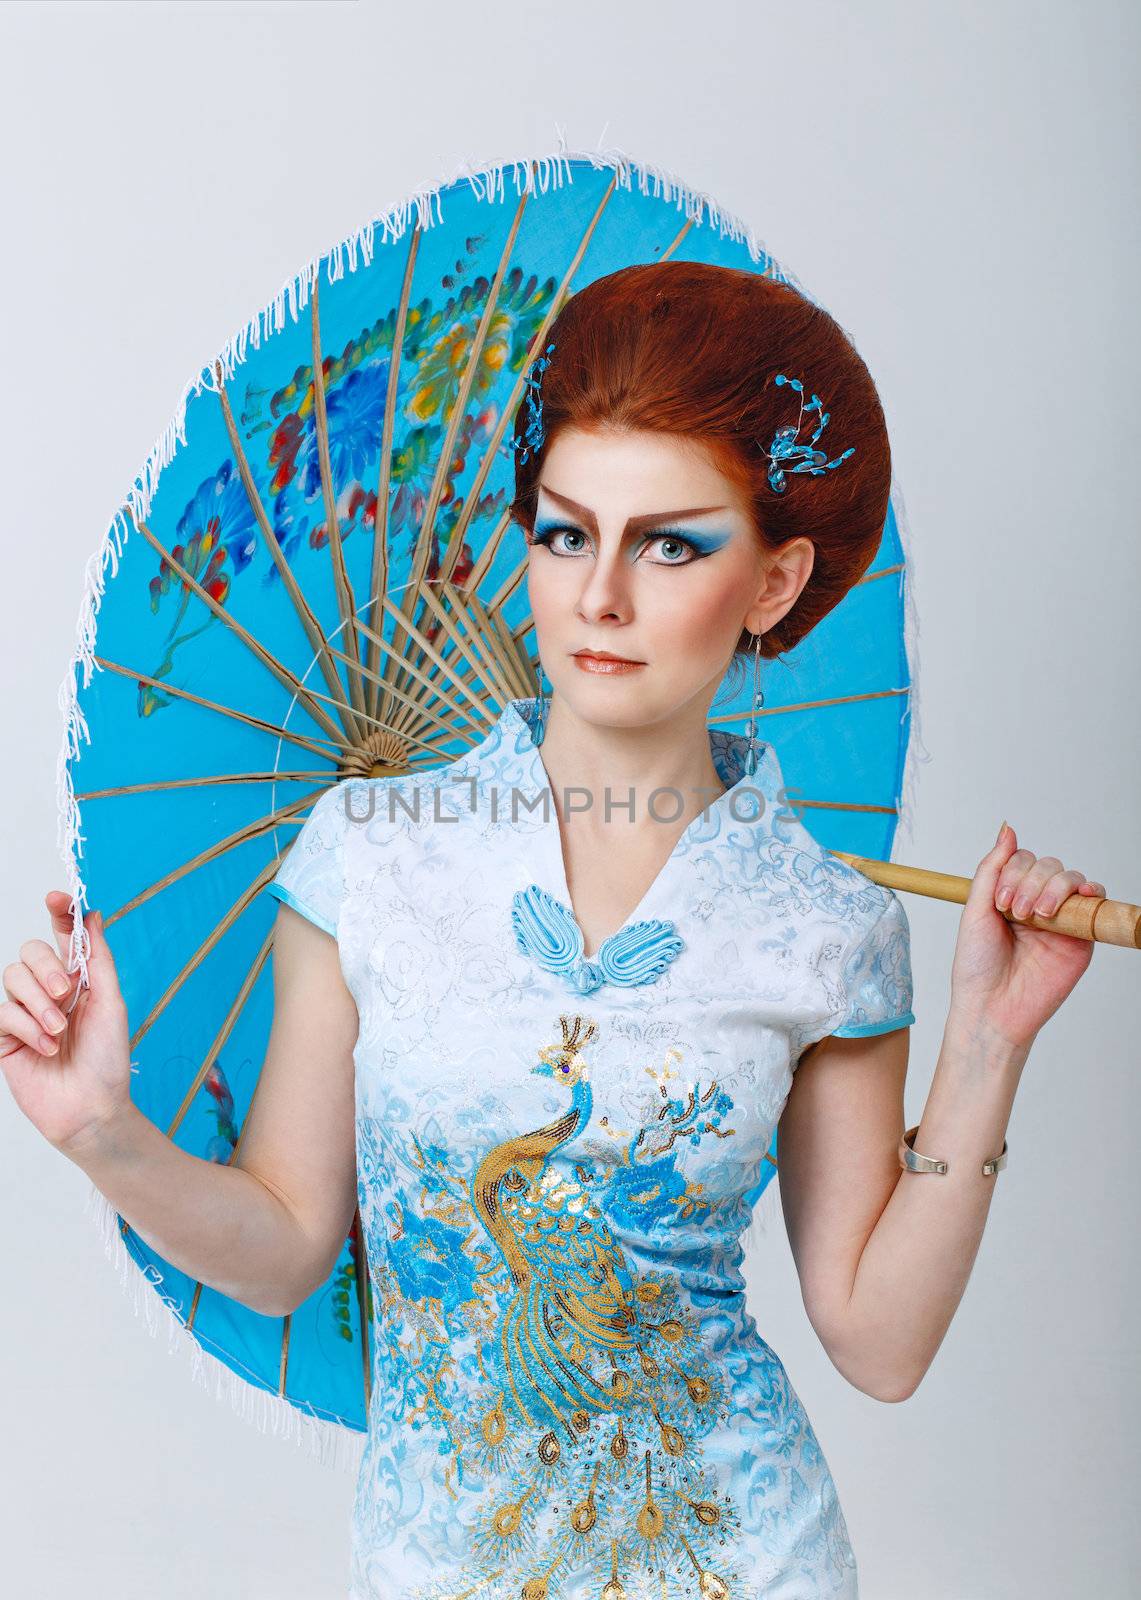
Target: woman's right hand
70,1082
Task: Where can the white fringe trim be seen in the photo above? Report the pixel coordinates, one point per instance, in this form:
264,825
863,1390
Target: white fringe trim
332,1443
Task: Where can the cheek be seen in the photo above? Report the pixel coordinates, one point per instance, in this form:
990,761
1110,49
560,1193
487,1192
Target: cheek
554,588
546,593
699,613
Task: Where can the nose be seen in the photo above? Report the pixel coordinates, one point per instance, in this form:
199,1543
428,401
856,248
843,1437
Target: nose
606,590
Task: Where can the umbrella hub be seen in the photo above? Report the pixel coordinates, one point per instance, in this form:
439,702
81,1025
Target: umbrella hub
381,754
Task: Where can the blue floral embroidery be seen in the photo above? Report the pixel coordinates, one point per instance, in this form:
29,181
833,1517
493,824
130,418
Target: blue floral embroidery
546,930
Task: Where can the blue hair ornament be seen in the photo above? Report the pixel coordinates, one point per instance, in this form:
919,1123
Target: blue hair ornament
804,456
533,435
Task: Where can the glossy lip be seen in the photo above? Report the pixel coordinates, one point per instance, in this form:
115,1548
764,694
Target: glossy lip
604,655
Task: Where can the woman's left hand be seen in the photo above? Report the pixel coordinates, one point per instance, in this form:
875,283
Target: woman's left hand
1005,975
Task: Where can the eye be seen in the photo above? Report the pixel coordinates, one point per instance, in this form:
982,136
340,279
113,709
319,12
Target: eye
679,551
547,535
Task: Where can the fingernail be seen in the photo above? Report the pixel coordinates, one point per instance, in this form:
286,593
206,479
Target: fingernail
1001,831
57,985
1003,898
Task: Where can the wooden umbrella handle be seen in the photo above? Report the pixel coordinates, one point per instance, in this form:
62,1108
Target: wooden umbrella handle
1082,916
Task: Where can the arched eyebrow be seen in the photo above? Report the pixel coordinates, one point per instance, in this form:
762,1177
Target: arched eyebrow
635,524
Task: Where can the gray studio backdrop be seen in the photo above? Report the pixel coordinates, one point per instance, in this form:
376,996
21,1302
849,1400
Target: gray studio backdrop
958,183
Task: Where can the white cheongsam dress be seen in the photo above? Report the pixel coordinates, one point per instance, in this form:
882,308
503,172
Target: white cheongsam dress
558,1156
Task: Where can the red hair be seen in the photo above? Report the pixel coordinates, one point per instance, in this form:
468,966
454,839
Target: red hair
690,349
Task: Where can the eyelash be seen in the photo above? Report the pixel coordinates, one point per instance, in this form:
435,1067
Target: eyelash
545,537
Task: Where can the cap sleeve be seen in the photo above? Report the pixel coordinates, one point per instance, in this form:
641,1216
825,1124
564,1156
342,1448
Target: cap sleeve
311,877
877,977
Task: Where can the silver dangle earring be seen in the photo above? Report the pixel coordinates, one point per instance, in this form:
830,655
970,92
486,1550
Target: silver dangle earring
758,702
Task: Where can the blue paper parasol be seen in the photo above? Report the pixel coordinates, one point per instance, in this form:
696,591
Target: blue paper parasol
318,545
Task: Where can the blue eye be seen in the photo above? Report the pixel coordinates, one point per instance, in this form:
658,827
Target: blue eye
676,539
546,533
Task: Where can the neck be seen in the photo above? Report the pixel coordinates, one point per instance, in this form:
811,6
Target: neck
671,755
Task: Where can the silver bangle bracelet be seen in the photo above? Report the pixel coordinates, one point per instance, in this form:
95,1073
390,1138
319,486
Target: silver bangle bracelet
911,1161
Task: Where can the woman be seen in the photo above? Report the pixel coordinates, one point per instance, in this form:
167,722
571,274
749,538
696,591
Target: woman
545,1046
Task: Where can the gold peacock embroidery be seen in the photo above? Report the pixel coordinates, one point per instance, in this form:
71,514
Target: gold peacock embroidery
577,1452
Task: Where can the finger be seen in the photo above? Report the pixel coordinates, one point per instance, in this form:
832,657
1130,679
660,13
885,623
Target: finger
22,985
53,976
992,864
1010,877
1092,888
60,909
19,1027
1058,888
1032,884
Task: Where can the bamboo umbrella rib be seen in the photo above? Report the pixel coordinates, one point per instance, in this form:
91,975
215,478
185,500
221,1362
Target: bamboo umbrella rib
429,649
456,416
314,746
487,555
210,781
416,704
282,673
430,696
507,589
496,639
228,1023
525,680
505,675
457,673
341,581
807,705
466,650
430,687
379,574
678,237
839,805
283,1365
373,722
489,638
253,830
313,630
243,902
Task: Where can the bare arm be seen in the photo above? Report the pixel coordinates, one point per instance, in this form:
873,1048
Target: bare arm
265,1230
884,1255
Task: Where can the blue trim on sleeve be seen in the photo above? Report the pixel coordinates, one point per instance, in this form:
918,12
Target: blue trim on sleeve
866,1030
280,892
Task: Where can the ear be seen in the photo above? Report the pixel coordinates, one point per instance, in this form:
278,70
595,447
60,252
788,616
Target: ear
787,571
